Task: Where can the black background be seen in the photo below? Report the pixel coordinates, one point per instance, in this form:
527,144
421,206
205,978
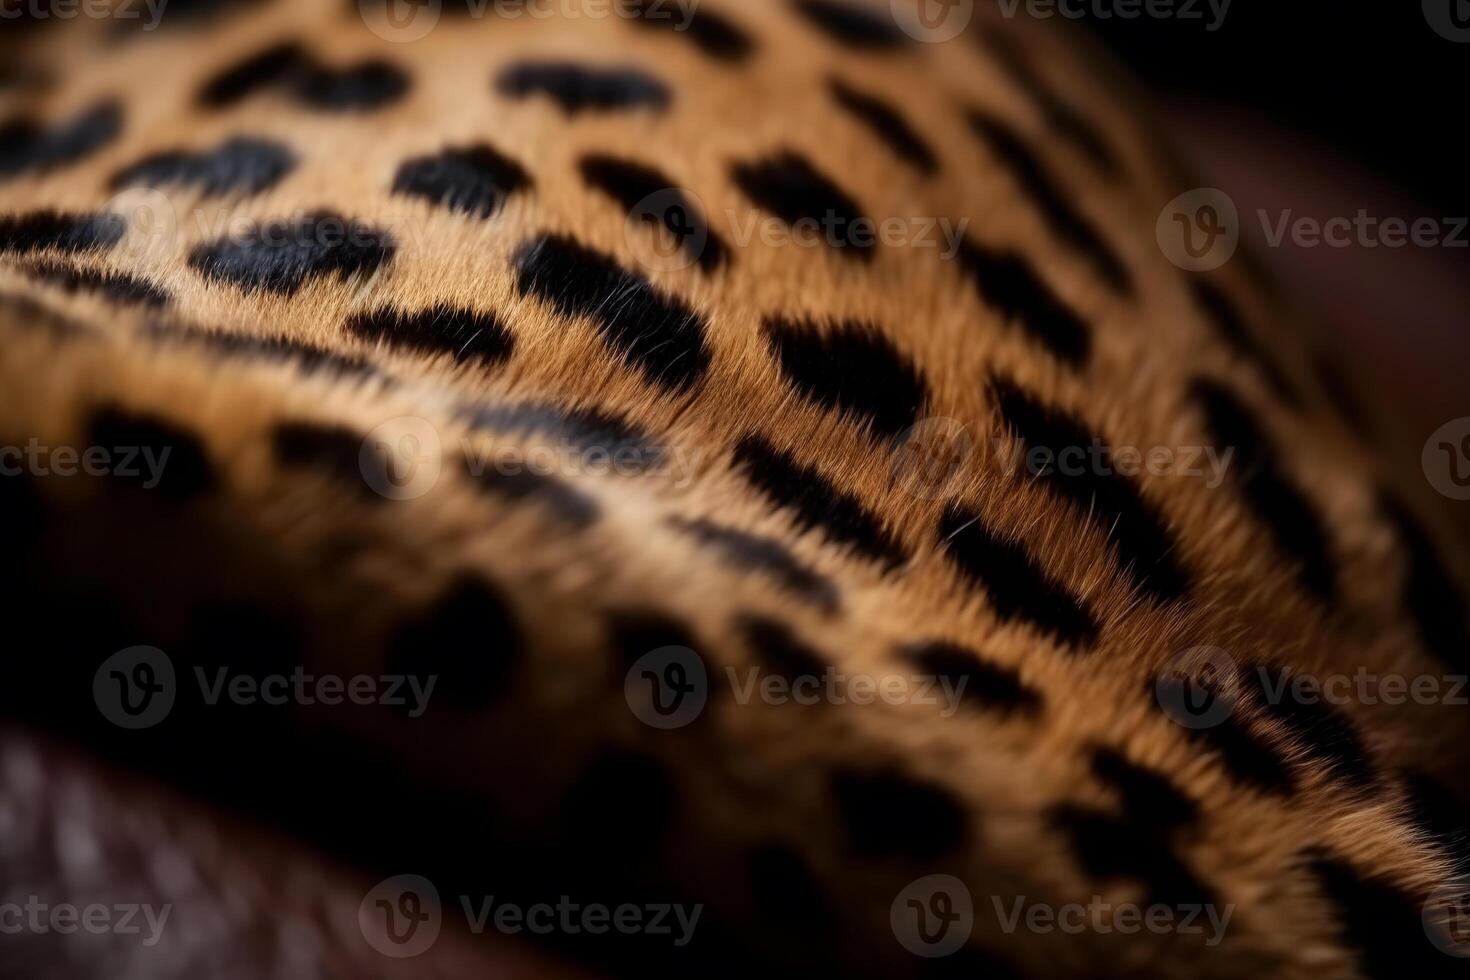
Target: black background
1372,79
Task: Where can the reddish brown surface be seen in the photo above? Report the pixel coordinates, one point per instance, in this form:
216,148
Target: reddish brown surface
245,904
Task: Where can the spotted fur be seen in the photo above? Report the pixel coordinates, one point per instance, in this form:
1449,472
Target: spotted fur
455,231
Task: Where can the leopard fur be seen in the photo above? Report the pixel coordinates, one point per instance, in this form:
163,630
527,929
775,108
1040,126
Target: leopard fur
492,292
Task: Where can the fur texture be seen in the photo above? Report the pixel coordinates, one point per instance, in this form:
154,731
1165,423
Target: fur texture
465,251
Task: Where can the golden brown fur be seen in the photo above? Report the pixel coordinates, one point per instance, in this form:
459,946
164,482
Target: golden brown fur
352,566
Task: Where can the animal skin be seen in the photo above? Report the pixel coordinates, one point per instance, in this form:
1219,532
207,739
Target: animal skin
511,356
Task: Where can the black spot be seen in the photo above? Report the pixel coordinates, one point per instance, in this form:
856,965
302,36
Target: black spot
519,484
852,25
752,553
816,502
780,650
1036,180
1058,451
786,892
649,196
249,639
27,314
711,33
789,187
656,332
280,256
1149,799
1342,394
184,467
888,814
1315,726
582,88
468,639
635,634
468,335
1296,526
1107,847
1017,586
980,684
26,147
1007,282
309,357
273,66
117,286
474,180
591,431
1429,592
334,450
850,367
1244,756
242,164
1060,116
364,87
884,120
623,802
1382,923
1231,327
37,230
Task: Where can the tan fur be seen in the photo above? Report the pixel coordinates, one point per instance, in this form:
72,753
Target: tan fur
754,774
